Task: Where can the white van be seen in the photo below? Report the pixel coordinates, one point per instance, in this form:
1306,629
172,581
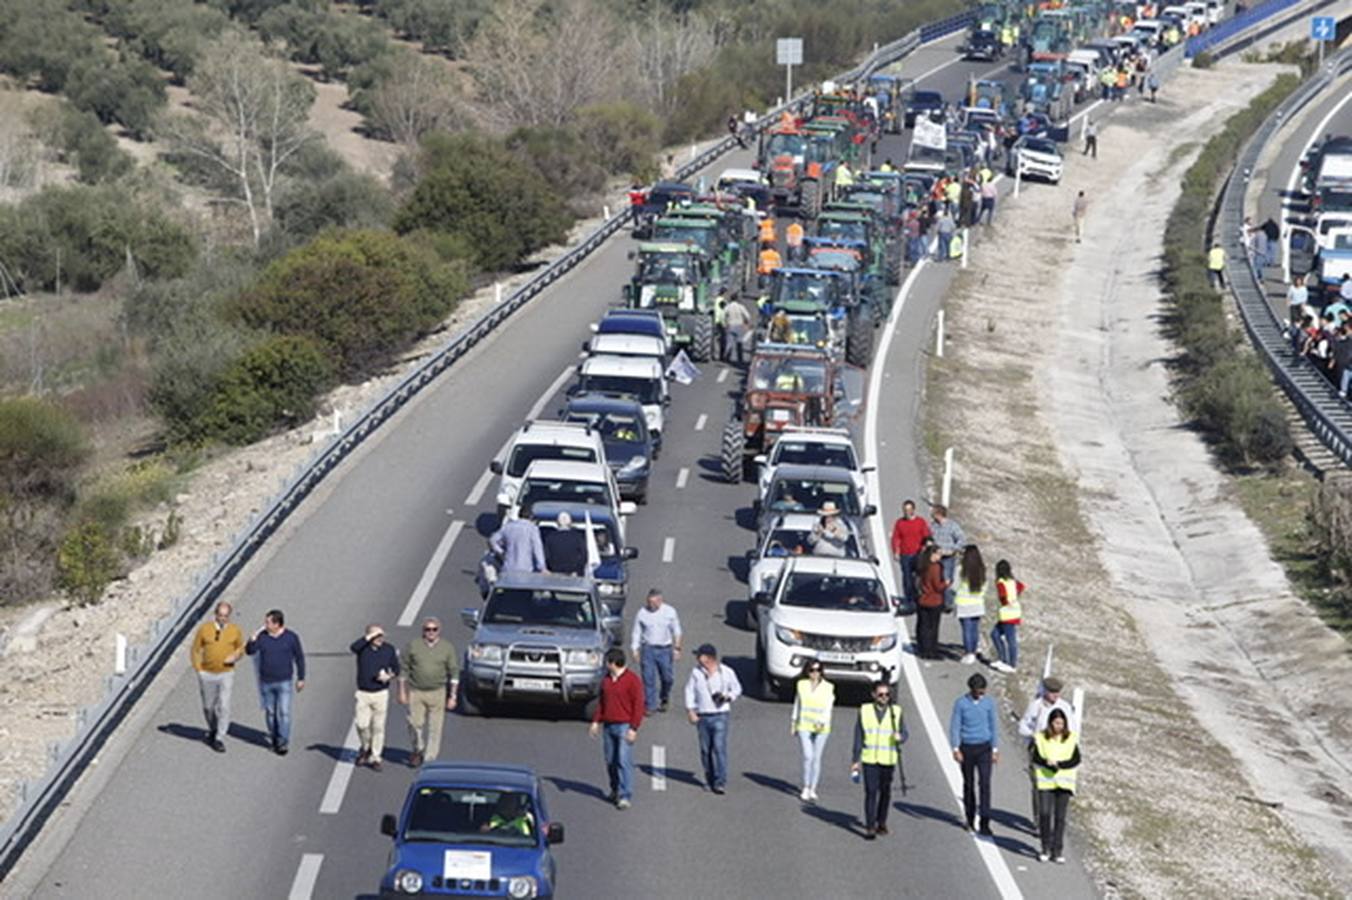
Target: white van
636,378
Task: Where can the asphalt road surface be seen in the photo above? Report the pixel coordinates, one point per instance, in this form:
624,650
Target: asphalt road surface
164,816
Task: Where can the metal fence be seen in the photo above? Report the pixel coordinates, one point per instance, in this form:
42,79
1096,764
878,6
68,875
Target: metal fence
1223,32
1326,413
96,723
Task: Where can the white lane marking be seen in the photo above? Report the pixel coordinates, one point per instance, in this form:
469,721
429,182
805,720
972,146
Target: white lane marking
307,873
550,392
681,477
699,423
659,767
342,774
477,492
1295,176
429,575
1086,111
915,681
722,375
668,549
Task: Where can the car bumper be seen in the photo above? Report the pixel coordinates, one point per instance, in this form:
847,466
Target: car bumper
531,686
1050,171
786,662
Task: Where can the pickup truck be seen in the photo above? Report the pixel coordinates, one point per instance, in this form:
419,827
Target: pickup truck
924,103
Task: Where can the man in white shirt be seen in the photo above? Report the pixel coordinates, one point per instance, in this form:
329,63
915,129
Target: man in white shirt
709,695
1035,719
655,644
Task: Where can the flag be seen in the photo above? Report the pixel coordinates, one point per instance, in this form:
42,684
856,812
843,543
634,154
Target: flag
593,552
682,369
929,133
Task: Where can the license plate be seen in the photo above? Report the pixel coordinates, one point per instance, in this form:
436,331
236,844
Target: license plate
532,684
832,656
779,415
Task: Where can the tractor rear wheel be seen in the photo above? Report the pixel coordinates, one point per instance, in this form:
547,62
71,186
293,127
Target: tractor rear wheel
894,254
859,338
811,199
733,451
702,339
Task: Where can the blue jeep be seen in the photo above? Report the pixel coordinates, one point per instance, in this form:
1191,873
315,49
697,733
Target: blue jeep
472,829
612,572
630,447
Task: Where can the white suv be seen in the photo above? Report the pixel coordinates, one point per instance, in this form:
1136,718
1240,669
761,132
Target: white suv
573,482
811,447
574,441
634,378
836,611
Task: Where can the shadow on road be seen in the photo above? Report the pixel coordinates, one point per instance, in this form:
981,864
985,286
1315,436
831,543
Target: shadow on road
195,733
569,786
684,776
838,818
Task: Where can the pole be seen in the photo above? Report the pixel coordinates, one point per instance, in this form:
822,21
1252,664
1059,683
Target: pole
947,492
605,211
497,293
1047,666
1018,176
939,337
788,82
1077,702
120,653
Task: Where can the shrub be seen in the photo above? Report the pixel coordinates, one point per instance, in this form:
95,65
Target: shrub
81,141
188,360
273,385
1234,398
362,295
473,186
87,561
127,91
153,309
1203,60
347,200
623,138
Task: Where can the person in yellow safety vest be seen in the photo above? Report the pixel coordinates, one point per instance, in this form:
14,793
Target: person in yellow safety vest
781,328
793,239
1171,36
1056,758
1123,79
1007,36
812,705
955,246
887,167
767,230
844,177
1107,78
1005,636
984,174
511,815
769,261
789,381
970,600
952,193
879,733
1215,266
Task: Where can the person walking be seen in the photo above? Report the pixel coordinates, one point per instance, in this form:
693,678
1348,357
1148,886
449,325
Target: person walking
879,733
975,739
930,606
1034,719
971,601
1297,298
1056,754
216,647
1152,84
736,324
944,229
908,535
1005,635
813,701
989,194
709,695
950,540
565,548
655,644
1215,266
618,716
377,667
280,656
1078,210
427,689
518,545
1090,139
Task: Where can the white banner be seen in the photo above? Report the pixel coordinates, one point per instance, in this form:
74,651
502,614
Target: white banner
929,134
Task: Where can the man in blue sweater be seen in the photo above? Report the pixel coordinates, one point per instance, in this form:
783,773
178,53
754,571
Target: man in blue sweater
279,656
377,667
975,739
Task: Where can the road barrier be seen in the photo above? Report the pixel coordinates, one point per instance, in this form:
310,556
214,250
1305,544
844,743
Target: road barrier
1326,413
95,724
1238,32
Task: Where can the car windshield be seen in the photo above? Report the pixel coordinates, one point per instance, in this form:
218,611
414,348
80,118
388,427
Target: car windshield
808,495
536,490
455,815
798,542
621,428
1037,145
520,606
644,390
525,454
835,593
797,286
927,99
849,231
813,453
630,325
786,145
804,376
705,238
925,155
808,330
837,260
665,268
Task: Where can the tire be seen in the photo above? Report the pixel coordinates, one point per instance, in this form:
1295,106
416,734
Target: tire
810,201
768,689
894,266
702,339
859,338
733,451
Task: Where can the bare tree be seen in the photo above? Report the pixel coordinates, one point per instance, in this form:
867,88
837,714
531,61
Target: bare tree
252,114
661,49
420,95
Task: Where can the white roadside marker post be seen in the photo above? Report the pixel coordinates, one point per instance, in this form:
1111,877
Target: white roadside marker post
946,492
119,654
939,337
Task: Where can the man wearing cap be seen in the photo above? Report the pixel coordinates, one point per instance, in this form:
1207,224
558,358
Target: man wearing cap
709,694
829,536
1034,720
377,667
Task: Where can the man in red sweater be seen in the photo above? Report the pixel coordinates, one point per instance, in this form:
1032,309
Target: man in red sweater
619,713
908,536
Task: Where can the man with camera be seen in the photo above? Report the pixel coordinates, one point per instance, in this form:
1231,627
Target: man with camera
709,694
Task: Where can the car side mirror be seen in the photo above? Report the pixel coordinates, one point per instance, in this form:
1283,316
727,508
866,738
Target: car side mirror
760,459
470,617
629,553
631,255
864,470
389,825
870,510
495,466
612,623
586,346
628,508
762,598
627,292
554,833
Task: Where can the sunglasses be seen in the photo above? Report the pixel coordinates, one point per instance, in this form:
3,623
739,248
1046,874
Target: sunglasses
431,628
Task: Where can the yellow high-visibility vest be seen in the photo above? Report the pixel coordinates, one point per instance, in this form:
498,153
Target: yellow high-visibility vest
814,706
1010,611
968,599
1215,259
879,747
1056,751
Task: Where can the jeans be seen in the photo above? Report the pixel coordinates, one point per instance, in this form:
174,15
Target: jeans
215,688
877,793
1217,278
276,698
908,576
916,251
619,755
656,662
1006,640
943,246
927,630
987,210
976,762
713,748
812,745
1052,808
1345,382
734,342
971,633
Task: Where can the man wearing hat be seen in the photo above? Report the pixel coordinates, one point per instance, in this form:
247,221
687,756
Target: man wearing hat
709,694
377,667
829,536
1034,720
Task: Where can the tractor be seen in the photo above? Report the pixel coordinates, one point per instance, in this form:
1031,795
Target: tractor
675,279
801,163
736,244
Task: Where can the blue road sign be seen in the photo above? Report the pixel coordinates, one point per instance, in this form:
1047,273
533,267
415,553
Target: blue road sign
1322,28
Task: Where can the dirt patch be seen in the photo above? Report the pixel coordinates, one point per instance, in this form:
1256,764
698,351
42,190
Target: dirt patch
1101,495
342,130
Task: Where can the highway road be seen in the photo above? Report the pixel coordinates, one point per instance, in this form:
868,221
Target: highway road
164,816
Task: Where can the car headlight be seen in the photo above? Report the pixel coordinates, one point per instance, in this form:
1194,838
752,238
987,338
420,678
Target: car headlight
485,652
408,881
507,495
653,419
788,636
522,886
885,642
589,658
633,466
609,588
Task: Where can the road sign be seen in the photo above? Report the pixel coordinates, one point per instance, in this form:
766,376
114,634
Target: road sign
789,51
1323,28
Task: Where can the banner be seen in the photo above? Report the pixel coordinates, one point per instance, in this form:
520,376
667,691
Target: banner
929,133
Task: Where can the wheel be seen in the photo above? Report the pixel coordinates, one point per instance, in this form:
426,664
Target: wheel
859,339
702,339
811,199
894,266
768,689
733,451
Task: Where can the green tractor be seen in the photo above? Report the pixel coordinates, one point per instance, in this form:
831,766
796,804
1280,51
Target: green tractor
736,242
676,280
857,222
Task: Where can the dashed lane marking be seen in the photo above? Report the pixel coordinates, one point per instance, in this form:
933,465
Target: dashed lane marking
659,767
722,375
668,549
342,774
429,575
307,873
681,477
700,422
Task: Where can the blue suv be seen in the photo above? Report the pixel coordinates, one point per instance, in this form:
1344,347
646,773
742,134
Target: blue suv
472,830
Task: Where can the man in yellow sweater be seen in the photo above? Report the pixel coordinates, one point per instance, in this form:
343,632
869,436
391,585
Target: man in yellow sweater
216,648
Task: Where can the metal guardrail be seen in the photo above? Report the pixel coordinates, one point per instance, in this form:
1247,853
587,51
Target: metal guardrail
1232,27
1324,411
1236,40
96,723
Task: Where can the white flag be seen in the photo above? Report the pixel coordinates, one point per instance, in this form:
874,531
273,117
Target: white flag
593,552
929,134
682,369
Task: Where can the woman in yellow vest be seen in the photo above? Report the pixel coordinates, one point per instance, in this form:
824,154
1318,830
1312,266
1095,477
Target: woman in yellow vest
811,721
1056,758
970,600
1005,637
